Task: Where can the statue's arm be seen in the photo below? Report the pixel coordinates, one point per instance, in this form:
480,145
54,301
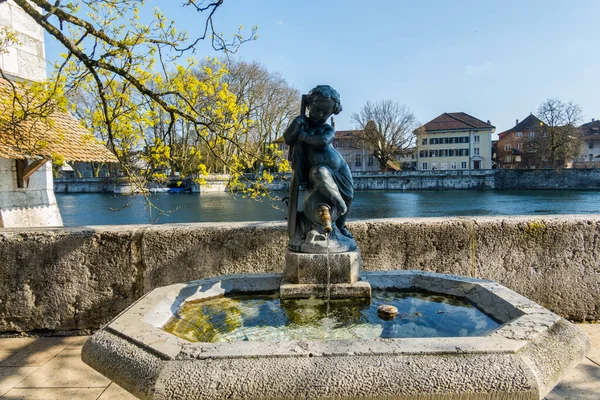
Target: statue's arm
319,140
296,126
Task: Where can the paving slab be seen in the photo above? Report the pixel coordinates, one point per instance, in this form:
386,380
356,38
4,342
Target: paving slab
53,394
15,344
4,355
593,331
65,370
38,352
11,376
116,392
582,383
78,341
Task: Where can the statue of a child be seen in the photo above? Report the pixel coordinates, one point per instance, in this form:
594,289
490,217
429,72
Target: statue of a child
318,165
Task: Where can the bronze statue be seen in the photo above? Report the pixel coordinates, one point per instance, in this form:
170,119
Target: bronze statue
323,172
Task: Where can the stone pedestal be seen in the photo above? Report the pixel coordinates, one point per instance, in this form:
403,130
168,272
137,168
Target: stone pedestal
305,276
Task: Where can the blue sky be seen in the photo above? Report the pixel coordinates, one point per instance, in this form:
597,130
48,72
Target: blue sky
493,60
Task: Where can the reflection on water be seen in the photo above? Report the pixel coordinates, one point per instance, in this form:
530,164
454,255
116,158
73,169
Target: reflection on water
264,317
94,208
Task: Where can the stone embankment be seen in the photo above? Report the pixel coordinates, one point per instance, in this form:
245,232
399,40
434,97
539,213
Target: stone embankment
63,279
490,179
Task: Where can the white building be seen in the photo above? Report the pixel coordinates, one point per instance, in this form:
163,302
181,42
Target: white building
589,155
455,141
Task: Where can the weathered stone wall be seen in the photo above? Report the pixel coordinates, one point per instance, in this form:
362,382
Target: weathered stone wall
489,179
547,179
79,278
27,59
84,185
425,180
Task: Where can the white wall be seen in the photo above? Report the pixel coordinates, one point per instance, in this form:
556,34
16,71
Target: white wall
32,206
27,60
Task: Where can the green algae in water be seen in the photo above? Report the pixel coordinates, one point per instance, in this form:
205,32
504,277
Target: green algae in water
266,318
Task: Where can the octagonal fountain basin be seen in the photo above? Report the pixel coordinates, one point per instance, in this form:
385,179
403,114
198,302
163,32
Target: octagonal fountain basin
231,337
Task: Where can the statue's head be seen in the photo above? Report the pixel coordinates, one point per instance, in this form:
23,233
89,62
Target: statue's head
322,101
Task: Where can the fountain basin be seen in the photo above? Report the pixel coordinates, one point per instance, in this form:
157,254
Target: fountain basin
522,359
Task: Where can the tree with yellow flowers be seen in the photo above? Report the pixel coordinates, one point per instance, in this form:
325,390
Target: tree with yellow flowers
137,87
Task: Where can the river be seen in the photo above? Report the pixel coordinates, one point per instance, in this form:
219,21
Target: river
100,209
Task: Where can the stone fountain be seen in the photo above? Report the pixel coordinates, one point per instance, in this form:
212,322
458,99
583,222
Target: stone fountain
520,352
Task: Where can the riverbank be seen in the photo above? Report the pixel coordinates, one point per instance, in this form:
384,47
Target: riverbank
74,279
492,179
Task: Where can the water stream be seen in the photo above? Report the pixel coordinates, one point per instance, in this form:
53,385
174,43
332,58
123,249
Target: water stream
328,289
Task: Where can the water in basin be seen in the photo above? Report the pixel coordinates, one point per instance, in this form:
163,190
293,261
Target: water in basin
266,318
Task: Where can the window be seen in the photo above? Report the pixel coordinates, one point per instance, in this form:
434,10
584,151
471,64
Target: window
424,141
463,165
451,153
591,145
519,146
443,153
432,153
336,144
370,161
452,140
531,135
358,160
507,147
476,151
453,165
424,165
476,139
507,159
591,156
467,152
443,166
423,153
445,140
519,134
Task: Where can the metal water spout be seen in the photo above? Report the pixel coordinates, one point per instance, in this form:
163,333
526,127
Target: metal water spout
325,218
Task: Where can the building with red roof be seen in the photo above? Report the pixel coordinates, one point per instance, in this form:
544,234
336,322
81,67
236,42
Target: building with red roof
513,149
455,141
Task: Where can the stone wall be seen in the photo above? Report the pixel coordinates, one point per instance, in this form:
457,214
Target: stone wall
79,278
425,180
27,59
84,185
214,183
547,179
488,179
31,206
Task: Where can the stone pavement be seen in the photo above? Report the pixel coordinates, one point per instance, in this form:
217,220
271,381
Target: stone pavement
50,368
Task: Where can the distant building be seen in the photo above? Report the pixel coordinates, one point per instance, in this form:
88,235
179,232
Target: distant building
358,156
455,141
513,150
589,155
